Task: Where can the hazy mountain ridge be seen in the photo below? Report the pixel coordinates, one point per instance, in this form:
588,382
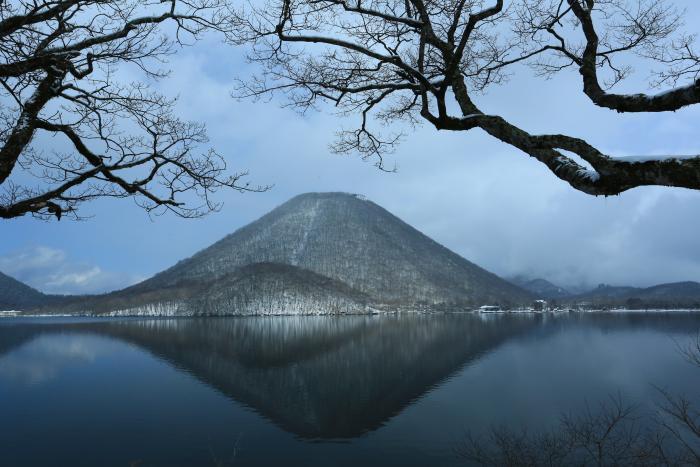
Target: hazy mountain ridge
542,288
684,294
676,294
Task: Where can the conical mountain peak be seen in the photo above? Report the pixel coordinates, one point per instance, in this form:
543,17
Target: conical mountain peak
317,253
347,238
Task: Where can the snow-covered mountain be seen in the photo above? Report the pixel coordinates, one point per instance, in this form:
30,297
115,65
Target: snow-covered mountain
316,253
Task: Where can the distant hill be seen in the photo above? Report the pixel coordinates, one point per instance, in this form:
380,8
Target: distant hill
678,294
318,252
541,288
15,295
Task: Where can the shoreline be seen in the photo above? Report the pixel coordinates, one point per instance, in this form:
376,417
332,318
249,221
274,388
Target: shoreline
19,314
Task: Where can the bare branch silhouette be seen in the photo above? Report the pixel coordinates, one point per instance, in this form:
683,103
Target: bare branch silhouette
613,434
390,60
59,61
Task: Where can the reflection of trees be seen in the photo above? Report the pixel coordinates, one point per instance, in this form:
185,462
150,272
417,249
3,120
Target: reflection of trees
613,434
340,377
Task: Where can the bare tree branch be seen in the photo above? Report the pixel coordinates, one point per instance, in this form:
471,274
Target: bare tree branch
58,60
388,60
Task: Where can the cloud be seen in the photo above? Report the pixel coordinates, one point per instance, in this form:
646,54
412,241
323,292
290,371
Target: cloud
44,358
34,258
53,271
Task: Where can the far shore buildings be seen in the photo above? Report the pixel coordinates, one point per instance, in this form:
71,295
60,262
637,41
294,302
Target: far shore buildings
537,306
489,309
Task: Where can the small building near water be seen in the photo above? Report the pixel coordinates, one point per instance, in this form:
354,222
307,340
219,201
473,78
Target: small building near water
540,305
9,313
489,309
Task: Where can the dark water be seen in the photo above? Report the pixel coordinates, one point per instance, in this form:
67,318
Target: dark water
315,391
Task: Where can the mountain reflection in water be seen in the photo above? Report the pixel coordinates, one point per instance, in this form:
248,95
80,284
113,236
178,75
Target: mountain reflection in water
317,377
339,378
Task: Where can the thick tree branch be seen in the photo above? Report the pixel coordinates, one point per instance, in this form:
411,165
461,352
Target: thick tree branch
25,125
439,51
671,100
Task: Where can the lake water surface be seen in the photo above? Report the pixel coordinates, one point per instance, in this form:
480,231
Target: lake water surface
316,391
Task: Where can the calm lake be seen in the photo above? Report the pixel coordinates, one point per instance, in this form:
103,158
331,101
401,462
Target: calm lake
316,391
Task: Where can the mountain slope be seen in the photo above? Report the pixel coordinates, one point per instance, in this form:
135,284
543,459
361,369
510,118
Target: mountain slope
15,295
353,241
257,289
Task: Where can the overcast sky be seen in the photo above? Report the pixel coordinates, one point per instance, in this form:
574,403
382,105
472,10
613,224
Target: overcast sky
486,201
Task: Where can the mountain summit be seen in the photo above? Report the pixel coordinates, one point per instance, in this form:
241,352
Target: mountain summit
347,238
318,252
